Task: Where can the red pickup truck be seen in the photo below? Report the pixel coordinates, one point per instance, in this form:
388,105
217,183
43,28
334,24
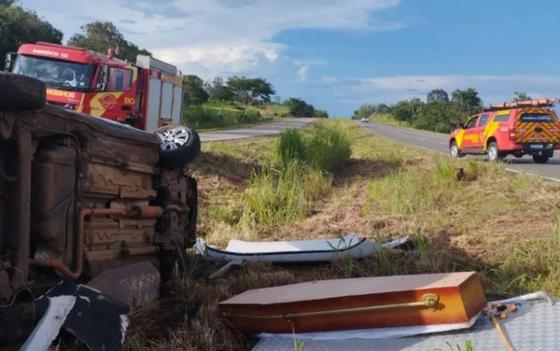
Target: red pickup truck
516,128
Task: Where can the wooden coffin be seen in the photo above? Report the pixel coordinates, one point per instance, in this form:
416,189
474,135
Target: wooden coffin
360,303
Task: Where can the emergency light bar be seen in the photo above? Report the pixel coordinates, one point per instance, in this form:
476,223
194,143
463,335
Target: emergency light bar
526,103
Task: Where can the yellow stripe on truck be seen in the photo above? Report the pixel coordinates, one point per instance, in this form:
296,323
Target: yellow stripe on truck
489,132
459,138
97,108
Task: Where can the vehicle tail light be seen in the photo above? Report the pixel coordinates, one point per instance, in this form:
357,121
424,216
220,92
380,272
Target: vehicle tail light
511,134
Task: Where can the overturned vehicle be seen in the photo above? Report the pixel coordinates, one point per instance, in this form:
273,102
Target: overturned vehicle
80,195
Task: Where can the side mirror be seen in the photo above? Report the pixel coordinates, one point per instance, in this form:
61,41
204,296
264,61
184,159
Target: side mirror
10,61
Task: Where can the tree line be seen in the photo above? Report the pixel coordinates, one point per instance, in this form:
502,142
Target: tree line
19,26
439,112
244,91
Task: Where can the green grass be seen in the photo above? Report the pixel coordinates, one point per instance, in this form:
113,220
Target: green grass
290,146
324,147
388,118
462,215
221,114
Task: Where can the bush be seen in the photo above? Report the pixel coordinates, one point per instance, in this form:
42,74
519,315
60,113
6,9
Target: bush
290,146
215,115
275,197
324,148
250,116
328,148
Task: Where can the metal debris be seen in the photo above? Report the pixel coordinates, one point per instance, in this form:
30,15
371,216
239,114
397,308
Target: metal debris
95,319
322,250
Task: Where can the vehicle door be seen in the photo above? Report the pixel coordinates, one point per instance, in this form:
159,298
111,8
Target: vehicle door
116,97
478,131
470,135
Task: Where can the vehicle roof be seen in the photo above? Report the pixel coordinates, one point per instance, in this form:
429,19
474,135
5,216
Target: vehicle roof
68,53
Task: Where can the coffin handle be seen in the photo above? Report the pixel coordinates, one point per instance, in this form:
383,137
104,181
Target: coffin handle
429,300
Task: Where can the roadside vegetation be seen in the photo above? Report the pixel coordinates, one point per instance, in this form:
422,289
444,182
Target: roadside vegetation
440,112
237,101
461,214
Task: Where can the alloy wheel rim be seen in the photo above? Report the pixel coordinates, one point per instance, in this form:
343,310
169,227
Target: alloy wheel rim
454,151
492,153
174,138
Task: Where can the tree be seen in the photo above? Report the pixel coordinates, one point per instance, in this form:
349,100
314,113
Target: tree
249,91
101,36
19,26
364,111
382,108
299,108
467,101
321,114
437,95
218,91
435,116
521,96
407,110
193,90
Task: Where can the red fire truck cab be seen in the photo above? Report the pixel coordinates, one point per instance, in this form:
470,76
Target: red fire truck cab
146,94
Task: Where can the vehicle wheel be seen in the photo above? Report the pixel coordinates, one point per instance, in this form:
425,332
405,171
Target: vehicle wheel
454,150
543,158
493,153
179,146
21,93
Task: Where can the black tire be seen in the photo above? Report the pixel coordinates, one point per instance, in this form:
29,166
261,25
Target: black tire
542,158
21,93
179,146
454,150
493,153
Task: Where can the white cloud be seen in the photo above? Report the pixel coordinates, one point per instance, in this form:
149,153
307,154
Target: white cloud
350,93
302,72
211,37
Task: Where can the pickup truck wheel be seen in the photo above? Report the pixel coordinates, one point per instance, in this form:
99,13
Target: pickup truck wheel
543,158
493,153
179,146
454,150
21,93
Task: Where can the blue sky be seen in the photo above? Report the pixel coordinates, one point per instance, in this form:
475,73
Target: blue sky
338,54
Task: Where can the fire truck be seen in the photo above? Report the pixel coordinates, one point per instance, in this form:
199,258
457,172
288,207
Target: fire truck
147,95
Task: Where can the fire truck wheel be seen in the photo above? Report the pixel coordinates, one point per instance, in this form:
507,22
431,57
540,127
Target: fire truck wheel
21,93
179,146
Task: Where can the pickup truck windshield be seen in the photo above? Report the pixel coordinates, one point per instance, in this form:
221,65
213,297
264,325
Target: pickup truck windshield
55,73
537,117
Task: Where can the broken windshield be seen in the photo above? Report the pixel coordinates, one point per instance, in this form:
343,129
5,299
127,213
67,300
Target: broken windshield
55,73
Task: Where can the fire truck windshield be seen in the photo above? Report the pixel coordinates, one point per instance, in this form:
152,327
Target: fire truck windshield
55,73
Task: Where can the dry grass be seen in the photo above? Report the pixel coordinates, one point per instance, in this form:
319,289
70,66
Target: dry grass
464,215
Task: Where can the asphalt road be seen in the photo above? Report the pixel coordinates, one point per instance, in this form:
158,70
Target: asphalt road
260,130
439,142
